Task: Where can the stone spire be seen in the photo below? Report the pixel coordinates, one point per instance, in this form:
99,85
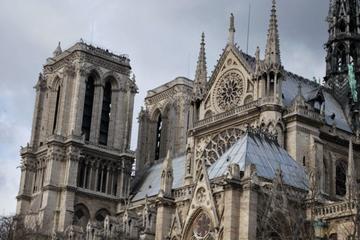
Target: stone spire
231,30
351,173
167,177
58,50
201,73
272,52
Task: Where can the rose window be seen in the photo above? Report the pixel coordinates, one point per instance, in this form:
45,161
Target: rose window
229,91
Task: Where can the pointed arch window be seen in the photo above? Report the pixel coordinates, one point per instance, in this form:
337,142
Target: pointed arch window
341,169
57,103
105,114
159,127
88,107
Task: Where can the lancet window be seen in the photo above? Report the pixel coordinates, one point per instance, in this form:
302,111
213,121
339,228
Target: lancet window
105,114
88,107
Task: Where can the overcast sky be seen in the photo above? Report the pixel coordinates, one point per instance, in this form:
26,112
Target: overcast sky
161,37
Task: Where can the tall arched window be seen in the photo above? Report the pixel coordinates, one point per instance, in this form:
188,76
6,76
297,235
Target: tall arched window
57,103
158,137
105,114
88,106
341,169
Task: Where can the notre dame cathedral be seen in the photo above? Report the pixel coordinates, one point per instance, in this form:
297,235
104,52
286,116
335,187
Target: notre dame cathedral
251,152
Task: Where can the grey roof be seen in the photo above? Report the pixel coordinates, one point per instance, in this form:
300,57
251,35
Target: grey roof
150,185
266,155
309,88
290,90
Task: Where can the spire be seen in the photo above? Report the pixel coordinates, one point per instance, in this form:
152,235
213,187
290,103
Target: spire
231,30
272,52
58,50
201,72
167,175
351,174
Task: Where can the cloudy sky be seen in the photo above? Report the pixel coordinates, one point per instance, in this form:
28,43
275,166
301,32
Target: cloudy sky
161,37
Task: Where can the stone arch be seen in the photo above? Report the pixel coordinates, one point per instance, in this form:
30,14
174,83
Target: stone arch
208,114
279,131
56,82
95,74
248,99
341,53
200,224
111,76
101,214
81,215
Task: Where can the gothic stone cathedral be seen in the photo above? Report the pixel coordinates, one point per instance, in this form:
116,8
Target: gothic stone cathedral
252,152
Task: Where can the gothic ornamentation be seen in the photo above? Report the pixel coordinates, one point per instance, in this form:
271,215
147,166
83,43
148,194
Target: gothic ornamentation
229,91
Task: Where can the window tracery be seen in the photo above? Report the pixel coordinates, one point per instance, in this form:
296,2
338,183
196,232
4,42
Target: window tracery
220,143
229,91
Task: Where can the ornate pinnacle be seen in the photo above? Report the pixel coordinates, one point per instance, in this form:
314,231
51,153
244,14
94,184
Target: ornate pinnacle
272,52
231,30
201,72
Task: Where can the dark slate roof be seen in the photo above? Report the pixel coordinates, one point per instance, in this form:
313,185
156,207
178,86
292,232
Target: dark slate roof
266,155
150,184
309,88
290,90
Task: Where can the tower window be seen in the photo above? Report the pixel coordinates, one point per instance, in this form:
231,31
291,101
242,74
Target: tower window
341,58
105,114
341,168
56,107
88,106
158,137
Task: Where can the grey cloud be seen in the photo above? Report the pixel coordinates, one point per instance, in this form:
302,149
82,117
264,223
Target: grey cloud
161,36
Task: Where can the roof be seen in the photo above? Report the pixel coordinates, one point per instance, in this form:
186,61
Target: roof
177,81
290,90
150,184
266,155
309,88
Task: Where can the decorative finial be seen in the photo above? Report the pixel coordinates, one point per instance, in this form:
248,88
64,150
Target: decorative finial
200,80
133,77
231,30
58,50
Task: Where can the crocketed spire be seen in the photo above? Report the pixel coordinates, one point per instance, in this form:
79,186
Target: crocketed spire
58,50
272,52
231,30
201,73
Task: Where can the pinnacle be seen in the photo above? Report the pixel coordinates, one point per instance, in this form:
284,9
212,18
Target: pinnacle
272,52
201,72
231,30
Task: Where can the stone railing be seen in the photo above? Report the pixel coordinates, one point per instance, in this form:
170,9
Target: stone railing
225,115
335,210
183,192
302,111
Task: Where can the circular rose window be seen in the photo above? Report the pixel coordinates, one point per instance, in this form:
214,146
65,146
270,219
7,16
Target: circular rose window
229,90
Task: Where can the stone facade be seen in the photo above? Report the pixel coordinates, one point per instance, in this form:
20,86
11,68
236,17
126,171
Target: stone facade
253,152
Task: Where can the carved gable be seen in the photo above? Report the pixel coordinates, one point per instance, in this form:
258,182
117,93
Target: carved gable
231,82
202,219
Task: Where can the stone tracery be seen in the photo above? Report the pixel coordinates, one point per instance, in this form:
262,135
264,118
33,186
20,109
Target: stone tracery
229,91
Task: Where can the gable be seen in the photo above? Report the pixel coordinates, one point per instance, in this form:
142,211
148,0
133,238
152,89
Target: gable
231,84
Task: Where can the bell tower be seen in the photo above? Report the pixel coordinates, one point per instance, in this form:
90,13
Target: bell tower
343,52
79,151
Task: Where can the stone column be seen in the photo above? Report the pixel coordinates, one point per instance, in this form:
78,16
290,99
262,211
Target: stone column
164,215
248,213
231,212
96,113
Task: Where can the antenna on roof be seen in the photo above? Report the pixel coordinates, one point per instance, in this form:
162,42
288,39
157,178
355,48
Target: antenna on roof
248,29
